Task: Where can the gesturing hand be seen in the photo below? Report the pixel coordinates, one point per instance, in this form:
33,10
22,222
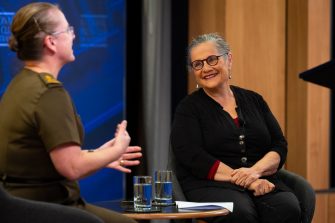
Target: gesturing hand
122,138
129,158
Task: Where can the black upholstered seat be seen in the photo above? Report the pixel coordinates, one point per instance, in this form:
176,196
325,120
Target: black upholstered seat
17,210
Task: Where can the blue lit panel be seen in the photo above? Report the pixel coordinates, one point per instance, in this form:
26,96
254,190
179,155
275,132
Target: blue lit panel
95,80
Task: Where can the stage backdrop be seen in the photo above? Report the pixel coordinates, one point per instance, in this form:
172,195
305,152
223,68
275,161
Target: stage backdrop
95,80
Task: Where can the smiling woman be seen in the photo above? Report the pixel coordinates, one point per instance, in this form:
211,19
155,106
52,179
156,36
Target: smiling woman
216,70
227,143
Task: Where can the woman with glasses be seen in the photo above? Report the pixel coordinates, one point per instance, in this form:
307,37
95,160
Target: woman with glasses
40,132
227,143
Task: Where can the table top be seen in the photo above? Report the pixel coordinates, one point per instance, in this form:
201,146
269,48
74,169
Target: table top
169,212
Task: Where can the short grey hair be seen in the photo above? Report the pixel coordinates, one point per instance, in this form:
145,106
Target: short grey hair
221,44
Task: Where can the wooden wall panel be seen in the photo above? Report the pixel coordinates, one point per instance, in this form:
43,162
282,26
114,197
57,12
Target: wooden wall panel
318,125
331,207
206,16
318,103
255,30
325,207
296,103
308,38
321,211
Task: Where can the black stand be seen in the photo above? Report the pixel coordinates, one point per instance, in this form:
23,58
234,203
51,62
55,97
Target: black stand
323,75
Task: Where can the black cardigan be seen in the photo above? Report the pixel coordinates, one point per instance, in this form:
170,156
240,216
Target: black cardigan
203,132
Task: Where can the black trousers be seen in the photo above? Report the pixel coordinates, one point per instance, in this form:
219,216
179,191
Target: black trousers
277,206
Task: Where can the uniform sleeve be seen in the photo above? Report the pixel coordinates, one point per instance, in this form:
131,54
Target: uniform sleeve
186,141
278,141
56,119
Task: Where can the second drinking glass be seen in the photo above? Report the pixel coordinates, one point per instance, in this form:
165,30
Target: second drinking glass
163,187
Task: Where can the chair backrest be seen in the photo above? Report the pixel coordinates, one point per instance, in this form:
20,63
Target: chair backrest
4,196
178,194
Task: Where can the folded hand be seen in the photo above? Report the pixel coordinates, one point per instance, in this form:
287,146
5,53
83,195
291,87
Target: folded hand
244,176
261,187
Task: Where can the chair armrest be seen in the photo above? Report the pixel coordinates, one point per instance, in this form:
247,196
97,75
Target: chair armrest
177,192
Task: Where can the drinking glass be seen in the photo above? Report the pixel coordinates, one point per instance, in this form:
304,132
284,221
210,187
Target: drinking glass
142,192
163,187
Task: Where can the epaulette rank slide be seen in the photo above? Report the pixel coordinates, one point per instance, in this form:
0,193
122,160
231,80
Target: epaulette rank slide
49,80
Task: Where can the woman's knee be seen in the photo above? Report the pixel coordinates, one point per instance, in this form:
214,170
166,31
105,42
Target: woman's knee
244,214
280,207
292,212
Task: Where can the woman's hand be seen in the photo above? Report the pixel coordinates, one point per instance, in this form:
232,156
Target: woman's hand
244,176
261,187
122,138
129,158
107,144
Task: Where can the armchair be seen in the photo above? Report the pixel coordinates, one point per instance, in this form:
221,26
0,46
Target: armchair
300,187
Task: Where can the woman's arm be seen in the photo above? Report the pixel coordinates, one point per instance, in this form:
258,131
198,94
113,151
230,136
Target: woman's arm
273,159
246,176
266,166
74,163
187,140
223,173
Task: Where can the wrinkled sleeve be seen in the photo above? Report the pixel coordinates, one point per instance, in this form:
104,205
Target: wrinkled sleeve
186,141
56,119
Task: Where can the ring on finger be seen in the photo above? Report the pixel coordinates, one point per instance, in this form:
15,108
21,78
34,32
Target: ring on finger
121,162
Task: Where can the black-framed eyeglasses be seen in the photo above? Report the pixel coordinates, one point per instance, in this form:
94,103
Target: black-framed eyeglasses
212,60
69,29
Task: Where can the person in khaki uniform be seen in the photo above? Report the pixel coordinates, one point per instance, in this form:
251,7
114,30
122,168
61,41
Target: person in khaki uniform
40,132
